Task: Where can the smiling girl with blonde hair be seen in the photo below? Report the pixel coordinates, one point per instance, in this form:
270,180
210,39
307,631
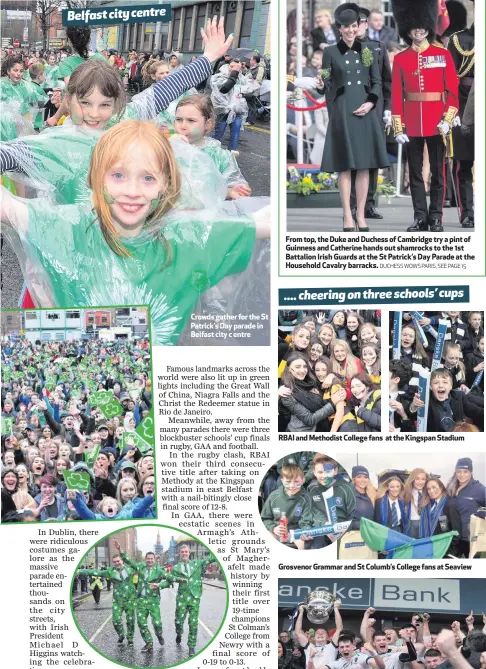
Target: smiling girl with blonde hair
136,249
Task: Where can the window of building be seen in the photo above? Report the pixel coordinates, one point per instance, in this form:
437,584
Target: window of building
186,35
246,23
201,14
30,316
72,314
176,22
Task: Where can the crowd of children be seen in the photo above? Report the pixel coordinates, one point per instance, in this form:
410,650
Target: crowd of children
456,399
76,435
304,491
158,201
329,371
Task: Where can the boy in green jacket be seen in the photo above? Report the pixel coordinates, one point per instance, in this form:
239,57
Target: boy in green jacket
289,498
333,498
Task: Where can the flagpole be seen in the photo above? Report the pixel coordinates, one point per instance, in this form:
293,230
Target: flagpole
299,118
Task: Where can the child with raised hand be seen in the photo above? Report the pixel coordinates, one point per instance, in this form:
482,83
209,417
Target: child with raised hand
109,508
194,120
136,250
58,159
293,501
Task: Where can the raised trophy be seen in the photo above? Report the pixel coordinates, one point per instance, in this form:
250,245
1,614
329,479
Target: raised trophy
318,605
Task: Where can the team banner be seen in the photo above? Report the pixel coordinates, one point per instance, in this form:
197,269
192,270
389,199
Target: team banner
439,345
477,380
419,328
422,412
98,16
334,528
426,328
397,335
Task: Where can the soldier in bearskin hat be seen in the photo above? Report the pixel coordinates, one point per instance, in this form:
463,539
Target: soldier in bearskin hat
424,106
461,48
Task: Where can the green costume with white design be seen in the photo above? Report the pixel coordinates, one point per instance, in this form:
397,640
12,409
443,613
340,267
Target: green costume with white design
148,600
123,596
67,261
189,595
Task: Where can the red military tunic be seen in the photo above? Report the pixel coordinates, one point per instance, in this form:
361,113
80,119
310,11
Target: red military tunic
424,90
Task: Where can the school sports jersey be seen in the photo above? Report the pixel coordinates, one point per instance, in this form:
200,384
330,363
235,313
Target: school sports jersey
323,656
357,660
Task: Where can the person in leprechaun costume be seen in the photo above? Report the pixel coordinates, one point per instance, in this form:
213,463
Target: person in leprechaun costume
124,593
152,578
189,593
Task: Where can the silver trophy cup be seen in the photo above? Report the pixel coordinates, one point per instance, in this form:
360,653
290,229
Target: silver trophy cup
319,604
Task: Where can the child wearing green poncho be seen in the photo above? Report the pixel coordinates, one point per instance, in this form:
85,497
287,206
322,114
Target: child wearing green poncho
194,119
135,248
57,160
23,95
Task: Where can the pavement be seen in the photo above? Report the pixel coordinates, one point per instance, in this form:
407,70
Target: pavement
254,162
397,217
95,624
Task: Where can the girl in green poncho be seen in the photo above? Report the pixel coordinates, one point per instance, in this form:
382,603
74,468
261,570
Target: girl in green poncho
194,120
18,93
57,160
136,249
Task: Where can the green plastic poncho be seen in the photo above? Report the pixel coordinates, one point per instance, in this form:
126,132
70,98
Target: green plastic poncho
57,163
66,260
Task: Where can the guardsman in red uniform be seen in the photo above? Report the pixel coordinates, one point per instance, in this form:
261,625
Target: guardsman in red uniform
424,106
461,48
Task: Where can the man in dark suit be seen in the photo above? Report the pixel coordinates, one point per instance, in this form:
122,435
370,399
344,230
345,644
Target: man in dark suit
382,108
377,30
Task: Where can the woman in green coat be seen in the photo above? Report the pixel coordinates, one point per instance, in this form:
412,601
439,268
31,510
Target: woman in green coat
354,139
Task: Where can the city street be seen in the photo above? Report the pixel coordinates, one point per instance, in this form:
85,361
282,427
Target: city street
95,623
397,217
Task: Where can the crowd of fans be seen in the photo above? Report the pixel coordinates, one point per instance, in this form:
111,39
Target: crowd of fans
419,644
56,419
456,400
329,371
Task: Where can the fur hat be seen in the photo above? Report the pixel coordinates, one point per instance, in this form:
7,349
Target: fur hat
457,17
410,14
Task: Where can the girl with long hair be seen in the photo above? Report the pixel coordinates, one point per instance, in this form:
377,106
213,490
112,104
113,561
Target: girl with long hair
415,497
365,403
301,397
144,253
370,359
441,512
343,364
390,510
353,323
327,336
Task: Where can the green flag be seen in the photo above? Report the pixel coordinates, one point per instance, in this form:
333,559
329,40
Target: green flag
90,456
77,480
138,441
146,428
111,408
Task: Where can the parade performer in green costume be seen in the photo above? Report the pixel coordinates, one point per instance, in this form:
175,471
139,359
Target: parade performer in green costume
152,578
121,576
189,593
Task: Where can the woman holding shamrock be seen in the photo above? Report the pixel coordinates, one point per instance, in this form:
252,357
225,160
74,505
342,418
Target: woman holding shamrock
354,139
